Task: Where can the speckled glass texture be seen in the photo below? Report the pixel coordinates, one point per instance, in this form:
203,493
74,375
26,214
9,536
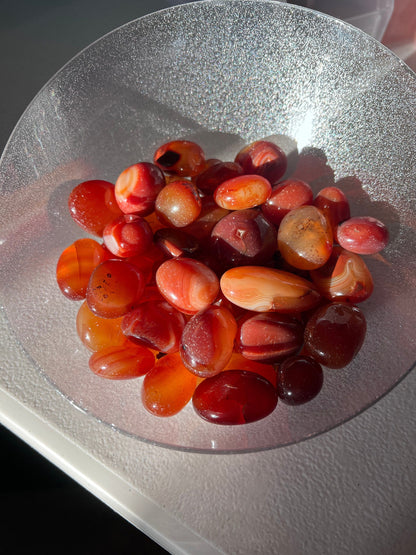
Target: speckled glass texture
220,73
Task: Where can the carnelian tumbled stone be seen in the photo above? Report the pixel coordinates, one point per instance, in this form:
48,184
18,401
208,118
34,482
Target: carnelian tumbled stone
122,362
183,158
175,242
286,196
187,284
149,262
334,334
75,266
362,235
263,289
155,324
344,277
207,341
178,204
137,187
300,379
269,336
214,175
168,387
263,158
334,204
304,238
210,214
244,237
234,397
127,236
95,332
242,192
114,288
92,204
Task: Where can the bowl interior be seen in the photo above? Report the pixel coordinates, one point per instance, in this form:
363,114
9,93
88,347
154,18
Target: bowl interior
221,73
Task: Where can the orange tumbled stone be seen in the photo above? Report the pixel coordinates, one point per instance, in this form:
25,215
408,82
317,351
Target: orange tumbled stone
263,289
242,192
304,238
187,284
95,332
168,387
75,266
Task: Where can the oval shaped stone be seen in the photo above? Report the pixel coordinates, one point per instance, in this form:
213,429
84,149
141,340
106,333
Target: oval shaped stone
234,397
263,289
304,238
187,284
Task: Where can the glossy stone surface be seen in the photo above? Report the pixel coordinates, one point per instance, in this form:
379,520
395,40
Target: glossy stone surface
114,288
242,192
215,174
263,158
137,187
299,380
180,157
344,277
95,332
187,284
269,336
178,204
234,397
122,362
262,289
208,340
286,196
334,204
243,237
92,204
334,334
168,387
75,266
127,236
155,324
305,238
363,235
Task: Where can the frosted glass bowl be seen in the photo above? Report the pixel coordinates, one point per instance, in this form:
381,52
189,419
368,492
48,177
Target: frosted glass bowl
221,73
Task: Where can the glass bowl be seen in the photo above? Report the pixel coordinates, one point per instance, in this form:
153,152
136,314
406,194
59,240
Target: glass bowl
220,73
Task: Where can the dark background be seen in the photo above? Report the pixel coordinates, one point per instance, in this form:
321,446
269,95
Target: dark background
44,511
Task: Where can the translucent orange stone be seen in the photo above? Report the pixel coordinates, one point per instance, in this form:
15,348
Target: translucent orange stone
95,332
155,324
184,158
178,204
208,340
242,192
263,289
137,187
92,205
75,266
210,214
269,336
187,284
304,238
168,387
123,362
263,158
334,334
344,277
114,288
334,204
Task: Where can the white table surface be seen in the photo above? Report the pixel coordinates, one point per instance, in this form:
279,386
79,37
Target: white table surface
349,491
